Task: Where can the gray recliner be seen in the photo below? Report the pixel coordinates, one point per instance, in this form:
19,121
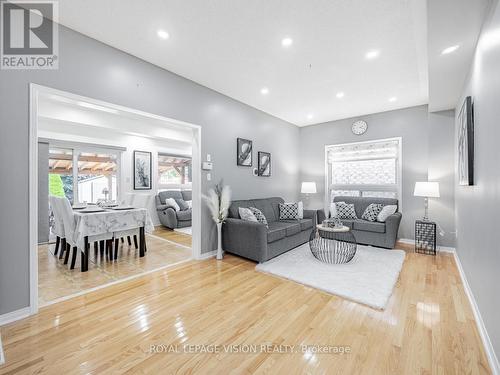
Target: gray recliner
257,242
367,232
168,216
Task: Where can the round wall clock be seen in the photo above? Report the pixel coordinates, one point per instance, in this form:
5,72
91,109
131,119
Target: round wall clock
359,127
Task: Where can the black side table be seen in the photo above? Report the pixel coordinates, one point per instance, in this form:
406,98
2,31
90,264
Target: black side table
425,237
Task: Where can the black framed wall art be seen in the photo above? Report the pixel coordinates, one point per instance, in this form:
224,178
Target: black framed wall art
142,170
264,164
244,152
466,143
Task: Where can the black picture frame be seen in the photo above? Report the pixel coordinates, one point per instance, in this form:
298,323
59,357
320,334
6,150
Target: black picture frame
264,164
466,143
142,181
244,151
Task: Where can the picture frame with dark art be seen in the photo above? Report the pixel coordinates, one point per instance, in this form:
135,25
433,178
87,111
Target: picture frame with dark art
264,164
466,143
244,152
142,170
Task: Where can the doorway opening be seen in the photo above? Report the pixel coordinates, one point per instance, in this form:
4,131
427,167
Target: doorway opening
109,163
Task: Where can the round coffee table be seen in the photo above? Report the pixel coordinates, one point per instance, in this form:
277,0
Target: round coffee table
333,245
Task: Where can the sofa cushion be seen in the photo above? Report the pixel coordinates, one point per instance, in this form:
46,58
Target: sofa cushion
184,215
182,204
187,195
292,228
348,223
304,223
369,226
266,206
276,231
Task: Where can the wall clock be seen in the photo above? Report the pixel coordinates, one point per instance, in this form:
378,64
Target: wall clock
359,127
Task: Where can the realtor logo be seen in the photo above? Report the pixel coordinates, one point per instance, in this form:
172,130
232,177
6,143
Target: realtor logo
29,34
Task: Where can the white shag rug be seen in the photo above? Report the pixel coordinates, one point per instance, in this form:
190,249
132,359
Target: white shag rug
186,230
368,278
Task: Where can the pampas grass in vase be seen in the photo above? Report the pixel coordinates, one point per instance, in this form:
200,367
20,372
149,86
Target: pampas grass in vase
218,201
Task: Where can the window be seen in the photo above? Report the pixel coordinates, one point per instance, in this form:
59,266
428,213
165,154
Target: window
367,169
61,172
97,176
174,171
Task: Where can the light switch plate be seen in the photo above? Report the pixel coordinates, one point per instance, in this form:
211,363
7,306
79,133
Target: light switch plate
209,157
209,177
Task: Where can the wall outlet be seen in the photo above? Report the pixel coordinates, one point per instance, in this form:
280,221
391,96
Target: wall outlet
209,157
209,177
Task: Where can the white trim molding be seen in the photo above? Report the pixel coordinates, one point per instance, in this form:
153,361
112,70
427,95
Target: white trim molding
15,315
485,338
443,249
207,255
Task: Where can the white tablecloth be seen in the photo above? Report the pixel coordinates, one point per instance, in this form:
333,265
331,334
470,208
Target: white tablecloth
109,221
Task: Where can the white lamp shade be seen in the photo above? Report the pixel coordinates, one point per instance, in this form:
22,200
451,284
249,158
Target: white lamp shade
308,188
426,189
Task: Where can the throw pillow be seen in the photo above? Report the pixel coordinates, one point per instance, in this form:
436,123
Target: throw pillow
289,211
261,218
172,203
333,209
301,208
182,204
386,212
190,204
372,211
247,214
345,211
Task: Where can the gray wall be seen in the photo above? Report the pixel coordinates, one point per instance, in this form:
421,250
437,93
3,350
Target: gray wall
419,130
477,206
43,192
93,69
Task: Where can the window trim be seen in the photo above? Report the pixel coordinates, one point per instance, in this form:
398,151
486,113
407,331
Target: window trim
398,187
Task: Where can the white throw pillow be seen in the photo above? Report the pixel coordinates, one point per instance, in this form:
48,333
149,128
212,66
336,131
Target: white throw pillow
333,209
190,204
247,214
301,208
172,203
386,212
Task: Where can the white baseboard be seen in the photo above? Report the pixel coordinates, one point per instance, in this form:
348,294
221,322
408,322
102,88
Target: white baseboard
444,249
2,356
15,315
488,347
207,255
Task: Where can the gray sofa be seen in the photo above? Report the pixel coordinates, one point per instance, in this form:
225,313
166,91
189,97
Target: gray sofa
367,232
168,216
256,242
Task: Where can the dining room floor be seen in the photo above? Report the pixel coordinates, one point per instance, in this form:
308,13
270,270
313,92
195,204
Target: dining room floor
56,280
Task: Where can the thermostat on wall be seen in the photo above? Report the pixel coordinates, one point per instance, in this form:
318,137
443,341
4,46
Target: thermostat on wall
207,166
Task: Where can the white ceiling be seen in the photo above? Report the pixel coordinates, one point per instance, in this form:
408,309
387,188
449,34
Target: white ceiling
234,47
451,22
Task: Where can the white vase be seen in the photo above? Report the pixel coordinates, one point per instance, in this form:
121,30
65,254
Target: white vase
220,254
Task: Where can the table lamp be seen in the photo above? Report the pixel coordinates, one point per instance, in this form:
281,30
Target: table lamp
308,188
426,189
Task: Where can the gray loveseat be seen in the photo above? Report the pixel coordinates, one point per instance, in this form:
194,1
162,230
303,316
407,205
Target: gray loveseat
168,216
367,232
256,242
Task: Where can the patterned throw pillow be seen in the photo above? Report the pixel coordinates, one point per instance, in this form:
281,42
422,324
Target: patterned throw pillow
289,211
247,214
261,218
345,211
372,212
386,212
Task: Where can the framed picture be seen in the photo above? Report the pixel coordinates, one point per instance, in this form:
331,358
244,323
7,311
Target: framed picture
244,152
264,164
142,170
466,143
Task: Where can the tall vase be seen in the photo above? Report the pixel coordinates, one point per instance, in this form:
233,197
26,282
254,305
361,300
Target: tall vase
220,254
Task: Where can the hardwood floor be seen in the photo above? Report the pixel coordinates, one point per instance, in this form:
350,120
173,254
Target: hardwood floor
171,235
56,280
428,326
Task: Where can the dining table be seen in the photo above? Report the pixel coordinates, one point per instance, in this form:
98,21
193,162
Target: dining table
100,222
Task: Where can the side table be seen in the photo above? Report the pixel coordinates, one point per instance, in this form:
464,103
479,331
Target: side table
425,237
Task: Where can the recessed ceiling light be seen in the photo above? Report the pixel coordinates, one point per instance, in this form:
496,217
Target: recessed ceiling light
163,34
310,116
450,49
264,91
286,42
393,99
340,95
370,55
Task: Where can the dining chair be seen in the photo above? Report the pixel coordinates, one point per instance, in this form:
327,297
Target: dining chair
69,228
58,228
